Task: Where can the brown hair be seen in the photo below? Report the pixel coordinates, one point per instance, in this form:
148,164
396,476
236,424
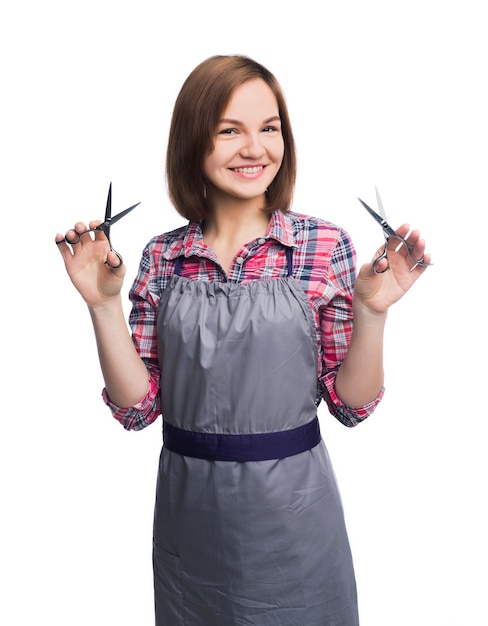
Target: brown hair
198,108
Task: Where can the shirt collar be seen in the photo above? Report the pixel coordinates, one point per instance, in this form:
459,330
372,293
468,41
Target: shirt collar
280,228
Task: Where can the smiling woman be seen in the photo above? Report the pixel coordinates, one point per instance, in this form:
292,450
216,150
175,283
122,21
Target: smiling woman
203,108
242,322
246,157
247,151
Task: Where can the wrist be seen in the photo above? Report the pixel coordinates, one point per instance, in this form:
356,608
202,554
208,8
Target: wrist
107,306
362,311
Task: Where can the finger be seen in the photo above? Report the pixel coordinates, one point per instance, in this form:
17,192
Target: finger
403,230
423,260
99,235
114,260
73,237
380,266
379,262
418,249
63,247
413,237
80,227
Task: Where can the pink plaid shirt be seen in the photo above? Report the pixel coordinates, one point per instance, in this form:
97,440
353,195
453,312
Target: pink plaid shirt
324,264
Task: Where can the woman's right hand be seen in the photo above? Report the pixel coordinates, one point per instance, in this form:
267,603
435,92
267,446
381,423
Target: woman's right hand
95,270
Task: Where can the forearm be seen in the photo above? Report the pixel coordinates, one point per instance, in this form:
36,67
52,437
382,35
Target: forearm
124,372
361,376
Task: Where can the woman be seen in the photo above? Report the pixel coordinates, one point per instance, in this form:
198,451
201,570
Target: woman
242,322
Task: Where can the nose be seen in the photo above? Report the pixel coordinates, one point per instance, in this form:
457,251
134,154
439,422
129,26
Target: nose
252,147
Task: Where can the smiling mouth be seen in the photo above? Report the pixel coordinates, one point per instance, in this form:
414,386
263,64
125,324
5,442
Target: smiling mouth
248,170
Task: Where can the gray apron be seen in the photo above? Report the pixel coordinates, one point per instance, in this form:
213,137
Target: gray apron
248,525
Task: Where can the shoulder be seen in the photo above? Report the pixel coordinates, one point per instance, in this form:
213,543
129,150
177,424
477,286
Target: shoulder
324,257
307,228
159,253
157,264
163,249
167,243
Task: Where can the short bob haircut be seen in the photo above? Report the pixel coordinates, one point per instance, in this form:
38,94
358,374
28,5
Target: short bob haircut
198,109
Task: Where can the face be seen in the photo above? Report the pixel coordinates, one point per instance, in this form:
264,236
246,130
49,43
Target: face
248,144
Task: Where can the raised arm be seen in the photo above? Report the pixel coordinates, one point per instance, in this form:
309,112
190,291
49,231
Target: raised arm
89,265
360,375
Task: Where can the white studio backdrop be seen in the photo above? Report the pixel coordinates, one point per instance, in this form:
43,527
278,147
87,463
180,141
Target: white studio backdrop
381,93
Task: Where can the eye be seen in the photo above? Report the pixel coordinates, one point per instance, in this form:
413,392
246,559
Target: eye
270,129
227,131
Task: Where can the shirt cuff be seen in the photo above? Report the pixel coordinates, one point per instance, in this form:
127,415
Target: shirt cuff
348,415
141,414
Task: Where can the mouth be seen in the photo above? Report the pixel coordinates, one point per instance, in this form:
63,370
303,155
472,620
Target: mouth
248,170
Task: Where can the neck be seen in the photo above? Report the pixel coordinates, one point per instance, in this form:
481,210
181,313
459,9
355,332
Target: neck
237,219
231,227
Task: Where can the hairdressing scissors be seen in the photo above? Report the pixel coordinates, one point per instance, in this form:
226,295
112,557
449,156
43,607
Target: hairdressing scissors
104,226
389,232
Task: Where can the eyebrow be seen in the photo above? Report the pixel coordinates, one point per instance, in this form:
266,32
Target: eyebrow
227,120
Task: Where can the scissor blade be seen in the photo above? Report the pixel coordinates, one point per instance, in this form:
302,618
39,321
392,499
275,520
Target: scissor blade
377,217
381,221
380,204
122,213
108,209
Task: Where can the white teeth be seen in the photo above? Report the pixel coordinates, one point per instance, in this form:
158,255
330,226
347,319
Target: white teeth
248,170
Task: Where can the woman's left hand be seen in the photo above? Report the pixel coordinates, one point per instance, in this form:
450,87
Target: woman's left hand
378,292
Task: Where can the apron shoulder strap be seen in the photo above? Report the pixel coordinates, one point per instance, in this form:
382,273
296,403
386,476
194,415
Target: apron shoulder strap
289,260
178,265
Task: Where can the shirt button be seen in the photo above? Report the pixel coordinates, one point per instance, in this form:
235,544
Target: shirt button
239,260
261,241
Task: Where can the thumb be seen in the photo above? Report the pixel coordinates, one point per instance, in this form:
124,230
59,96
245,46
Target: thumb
115,261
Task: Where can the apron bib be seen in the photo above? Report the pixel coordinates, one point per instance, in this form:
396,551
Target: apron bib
248,525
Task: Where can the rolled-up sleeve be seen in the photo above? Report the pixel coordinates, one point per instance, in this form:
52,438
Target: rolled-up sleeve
144,412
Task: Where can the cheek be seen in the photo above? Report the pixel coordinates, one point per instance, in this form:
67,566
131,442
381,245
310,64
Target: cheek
278,150
209,165
279,154
218,158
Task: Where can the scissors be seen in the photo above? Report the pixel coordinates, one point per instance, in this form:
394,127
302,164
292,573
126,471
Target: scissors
104,226
389,232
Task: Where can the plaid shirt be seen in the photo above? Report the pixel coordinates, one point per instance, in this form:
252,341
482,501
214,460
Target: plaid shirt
324,264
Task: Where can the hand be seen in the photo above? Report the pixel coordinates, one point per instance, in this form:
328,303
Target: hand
377,292
95,270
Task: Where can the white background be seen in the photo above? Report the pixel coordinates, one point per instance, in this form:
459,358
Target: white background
381,93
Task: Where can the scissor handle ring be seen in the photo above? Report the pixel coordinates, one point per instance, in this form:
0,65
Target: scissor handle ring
71,243
116,267
420,261
380,257
77,239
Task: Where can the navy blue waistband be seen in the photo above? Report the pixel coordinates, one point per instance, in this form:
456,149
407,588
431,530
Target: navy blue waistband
242,448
